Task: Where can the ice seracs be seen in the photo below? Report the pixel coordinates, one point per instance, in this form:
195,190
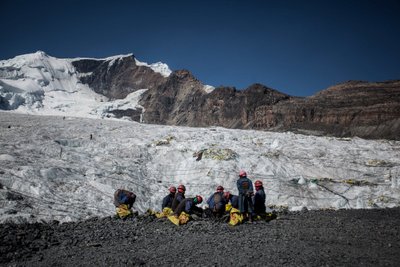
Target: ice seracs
68,168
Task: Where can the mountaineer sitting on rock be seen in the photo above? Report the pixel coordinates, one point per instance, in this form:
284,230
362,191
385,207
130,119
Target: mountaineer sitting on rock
216,202
231,199
123,201
186,208
167,201
188,205
178,197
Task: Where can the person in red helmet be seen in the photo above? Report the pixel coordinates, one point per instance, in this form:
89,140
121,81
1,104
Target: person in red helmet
167,201
245,188
178,197
216,202
259,199
233,199
188,205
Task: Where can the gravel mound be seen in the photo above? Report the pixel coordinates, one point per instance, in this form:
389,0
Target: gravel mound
307,238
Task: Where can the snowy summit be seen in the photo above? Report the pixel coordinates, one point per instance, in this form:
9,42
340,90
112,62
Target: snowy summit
40,84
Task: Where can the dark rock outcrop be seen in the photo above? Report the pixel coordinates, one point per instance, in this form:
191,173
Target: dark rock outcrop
368,110
117,77
232,108
364,109
182,100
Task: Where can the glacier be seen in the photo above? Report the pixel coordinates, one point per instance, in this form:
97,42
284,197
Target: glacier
67,168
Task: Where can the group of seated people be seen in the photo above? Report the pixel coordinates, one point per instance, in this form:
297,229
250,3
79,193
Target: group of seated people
247,202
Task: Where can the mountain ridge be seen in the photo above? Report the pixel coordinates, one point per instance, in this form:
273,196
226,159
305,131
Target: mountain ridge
353,108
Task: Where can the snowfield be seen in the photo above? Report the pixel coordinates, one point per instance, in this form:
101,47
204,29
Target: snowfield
67,168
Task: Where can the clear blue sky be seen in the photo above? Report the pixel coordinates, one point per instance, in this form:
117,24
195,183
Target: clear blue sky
296,47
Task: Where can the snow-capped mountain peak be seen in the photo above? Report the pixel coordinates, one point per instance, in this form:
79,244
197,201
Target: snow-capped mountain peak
41,84
37,83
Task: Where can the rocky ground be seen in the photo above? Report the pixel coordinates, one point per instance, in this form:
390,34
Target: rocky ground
307,238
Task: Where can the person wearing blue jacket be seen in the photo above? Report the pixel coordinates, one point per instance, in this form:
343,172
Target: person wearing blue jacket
245,188
123,201
179,197
188,205
167,201
233,199
216,202
122,196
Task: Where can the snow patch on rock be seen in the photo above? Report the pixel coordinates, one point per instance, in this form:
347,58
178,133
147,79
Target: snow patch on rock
159,67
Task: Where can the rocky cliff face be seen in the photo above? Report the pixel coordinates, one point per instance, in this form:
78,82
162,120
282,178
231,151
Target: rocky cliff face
175,101
116,78
231,108
368,110
182,100
355,108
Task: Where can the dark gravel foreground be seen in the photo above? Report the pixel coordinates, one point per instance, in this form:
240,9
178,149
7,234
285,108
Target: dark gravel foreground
308,238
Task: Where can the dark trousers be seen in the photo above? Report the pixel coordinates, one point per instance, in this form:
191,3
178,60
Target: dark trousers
245,204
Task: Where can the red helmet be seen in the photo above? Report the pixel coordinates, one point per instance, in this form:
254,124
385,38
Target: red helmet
181,188
198,199
172,189
220,188
242,173
227,195
258,183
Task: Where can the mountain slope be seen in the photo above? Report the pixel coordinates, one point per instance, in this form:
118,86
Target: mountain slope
123,87
364,109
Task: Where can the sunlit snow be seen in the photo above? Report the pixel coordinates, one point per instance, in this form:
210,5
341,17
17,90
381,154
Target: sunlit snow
159,67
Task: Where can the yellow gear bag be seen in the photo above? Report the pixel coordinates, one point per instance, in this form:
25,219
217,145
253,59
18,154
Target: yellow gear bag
235,217
182,219
151,212
165,213
123,211
174,219
228,207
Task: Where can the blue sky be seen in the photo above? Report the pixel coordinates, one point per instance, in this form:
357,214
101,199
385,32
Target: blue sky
296,47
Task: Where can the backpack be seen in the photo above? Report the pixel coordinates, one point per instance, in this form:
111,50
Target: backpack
122,196
217,201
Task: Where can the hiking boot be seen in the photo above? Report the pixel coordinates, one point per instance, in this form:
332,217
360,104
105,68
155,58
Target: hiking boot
251,219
